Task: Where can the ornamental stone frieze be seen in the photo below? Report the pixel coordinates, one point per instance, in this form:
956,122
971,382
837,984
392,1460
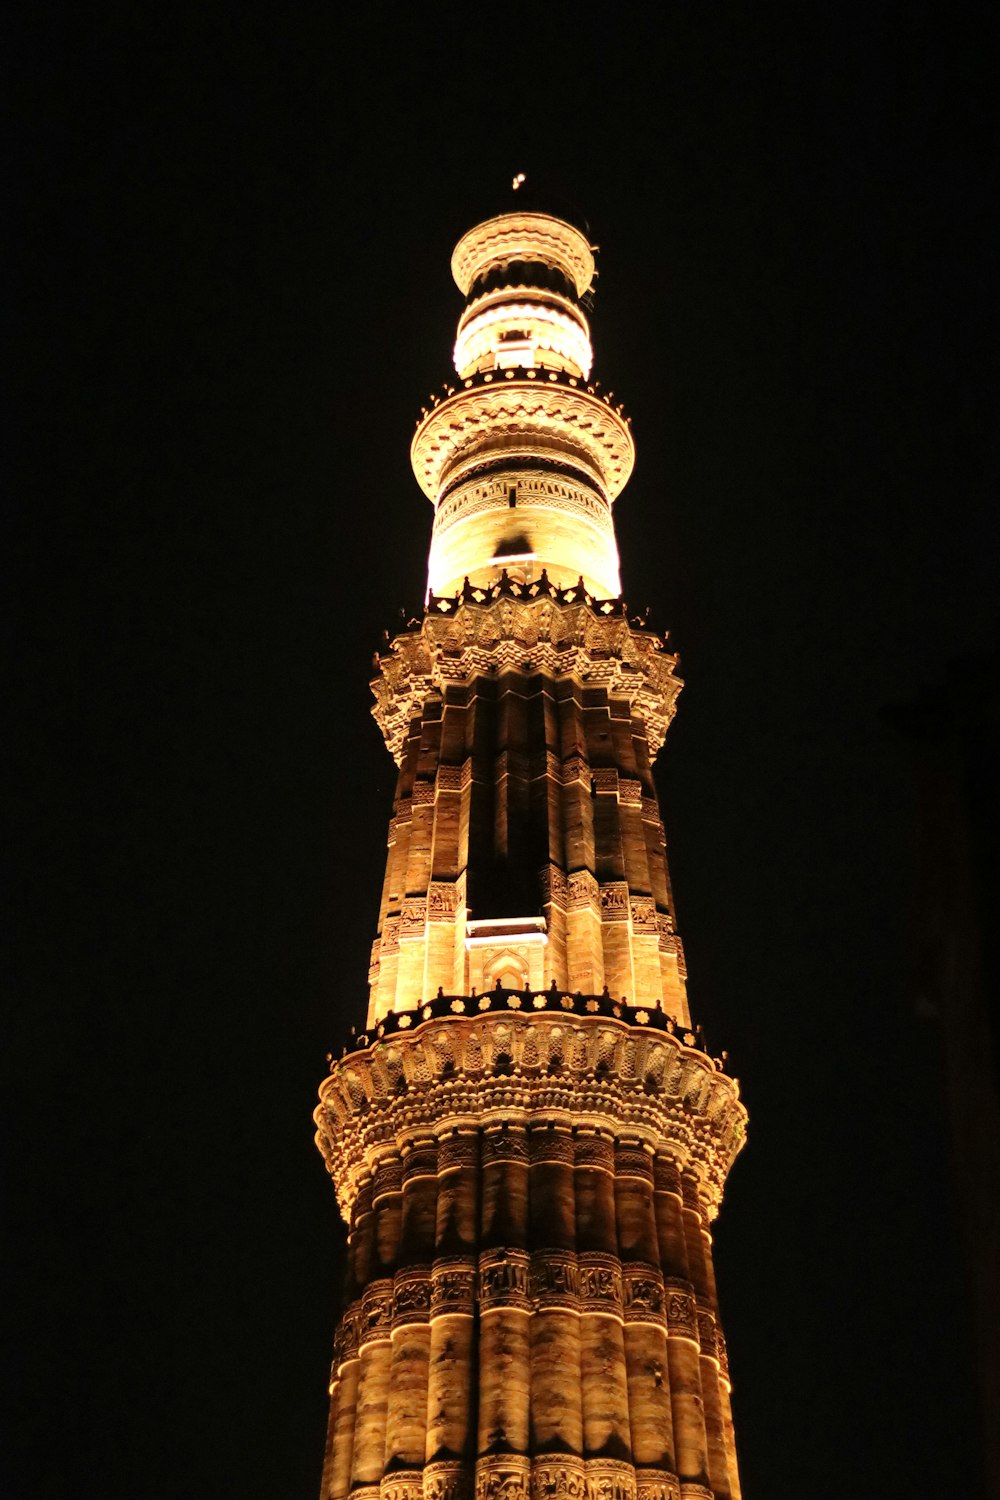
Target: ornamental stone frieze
555,1280
503,1280
403,1484
559,1478
376,1313
682,1315
600,1281
453,1286
657,1484
505,1477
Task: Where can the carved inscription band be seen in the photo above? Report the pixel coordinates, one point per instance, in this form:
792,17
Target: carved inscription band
682,1319
554,1279
645,1295
447,1480
503,1280
376,1312
656,1484
453,1286
403,1484
600,1282
515,1477
411,1300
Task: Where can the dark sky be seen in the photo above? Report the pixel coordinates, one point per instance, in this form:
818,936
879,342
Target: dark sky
230,295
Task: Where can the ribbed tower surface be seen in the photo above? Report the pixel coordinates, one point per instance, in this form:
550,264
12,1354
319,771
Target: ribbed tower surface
528,1141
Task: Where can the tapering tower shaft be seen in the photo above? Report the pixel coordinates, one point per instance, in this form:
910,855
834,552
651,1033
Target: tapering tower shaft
528,1141
525,711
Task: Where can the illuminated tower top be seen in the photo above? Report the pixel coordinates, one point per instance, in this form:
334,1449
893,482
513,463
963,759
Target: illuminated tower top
523,456
523,276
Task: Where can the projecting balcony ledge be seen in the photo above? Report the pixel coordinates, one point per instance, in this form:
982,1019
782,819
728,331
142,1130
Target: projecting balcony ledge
484,378
529,1001
531,1059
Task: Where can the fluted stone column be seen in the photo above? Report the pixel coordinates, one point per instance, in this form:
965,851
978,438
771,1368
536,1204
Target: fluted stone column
606,1429
329,1451
556,1405
367,1461
650,1414
345,1368
715,1446
690,1444
504,1314
453,1373
338,1470
533,1307
735,1487
719,1367
406,1418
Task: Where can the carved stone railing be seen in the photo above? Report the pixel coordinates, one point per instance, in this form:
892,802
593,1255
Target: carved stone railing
529,1001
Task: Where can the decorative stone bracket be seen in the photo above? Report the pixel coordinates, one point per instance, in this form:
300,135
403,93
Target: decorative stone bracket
524,628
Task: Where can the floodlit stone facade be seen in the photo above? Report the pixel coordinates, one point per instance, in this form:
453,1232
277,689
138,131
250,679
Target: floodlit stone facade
528,1141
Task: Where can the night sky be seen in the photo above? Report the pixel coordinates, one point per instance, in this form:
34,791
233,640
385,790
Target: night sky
230,295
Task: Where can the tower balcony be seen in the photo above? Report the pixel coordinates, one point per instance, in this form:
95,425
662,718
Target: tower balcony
523,463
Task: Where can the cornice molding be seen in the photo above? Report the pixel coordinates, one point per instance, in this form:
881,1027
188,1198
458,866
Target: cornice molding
523,236
618,1077
542,417
562,633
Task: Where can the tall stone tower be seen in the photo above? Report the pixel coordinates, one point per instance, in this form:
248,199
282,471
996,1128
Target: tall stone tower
528,1140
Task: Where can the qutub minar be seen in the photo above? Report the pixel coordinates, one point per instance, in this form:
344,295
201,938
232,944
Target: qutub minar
528,1141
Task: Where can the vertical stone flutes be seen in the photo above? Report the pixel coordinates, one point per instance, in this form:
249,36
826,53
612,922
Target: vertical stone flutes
504,1313
682,1331
453,1374
375,1349
606,1428
406,1417
650,1414
556,1403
